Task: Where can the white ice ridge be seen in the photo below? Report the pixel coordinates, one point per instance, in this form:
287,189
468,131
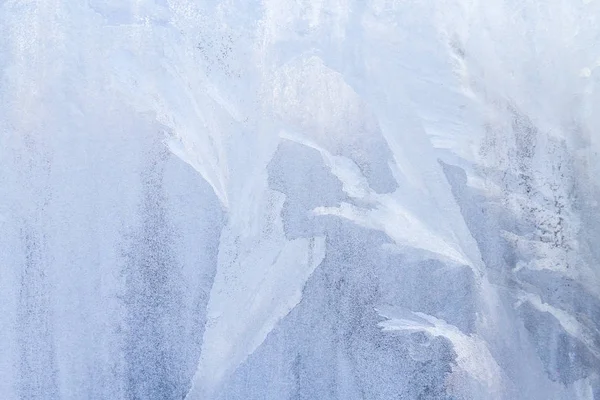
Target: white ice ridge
385,212
567,321
258,282
473,354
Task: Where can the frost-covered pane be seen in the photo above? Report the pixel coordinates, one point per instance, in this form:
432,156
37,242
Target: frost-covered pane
299,199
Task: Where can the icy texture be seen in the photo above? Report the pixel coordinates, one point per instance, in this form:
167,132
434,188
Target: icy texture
299,199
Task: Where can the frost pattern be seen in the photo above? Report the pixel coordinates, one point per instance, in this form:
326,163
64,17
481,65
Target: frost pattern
299,199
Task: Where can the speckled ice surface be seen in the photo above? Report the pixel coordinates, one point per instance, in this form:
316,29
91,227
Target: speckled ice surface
299,199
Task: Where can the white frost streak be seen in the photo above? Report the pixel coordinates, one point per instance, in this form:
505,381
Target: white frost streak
568,322
386,214
404,228
473,355
259,281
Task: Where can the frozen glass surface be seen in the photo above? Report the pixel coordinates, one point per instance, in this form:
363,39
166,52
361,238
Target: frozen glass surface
299,199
